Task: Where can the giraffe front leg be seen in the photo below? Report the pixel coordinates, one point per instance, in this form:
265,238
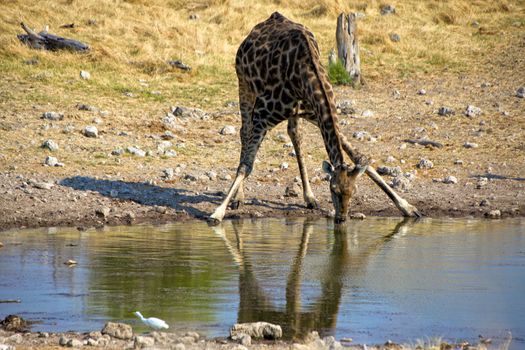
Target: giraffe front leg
219,213
238,199
309,198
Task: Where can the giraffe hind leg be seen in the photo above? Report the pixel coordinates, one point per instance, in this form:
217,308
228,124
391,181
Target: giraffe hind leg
295,136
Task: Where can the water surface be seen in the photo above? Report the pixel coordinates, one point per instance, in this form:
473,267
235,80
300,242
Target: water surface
370,280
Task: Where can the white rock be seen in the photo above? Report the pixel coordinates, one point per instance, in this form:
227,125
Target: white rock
85,75
284,166
52,116
472,111
50,145
136,151
521,92
90,131
422,92
367,113
228,130
450,180
425,164
470,145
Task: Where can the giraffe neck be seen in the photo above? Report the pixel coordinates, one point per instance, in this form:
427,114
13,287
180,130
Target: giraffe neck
321,98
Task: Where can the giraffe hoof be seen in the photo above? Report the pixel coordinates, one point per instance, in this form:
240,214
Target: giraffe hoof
312,205
213,221
235,204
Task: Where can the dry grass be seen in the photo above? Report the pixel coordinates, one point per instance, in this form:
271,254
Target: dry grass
134,39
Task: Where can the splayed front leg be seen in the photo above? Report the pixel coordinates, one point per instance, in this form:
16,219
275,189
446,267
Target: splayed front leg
219,213
406,208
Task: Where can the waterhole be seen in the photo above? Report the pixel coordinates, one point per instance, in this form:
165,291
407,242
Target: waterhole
370,280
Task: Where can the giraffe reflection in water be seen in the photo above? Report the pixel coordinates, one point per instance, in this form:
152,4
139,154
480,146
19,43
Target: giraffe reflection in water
347,259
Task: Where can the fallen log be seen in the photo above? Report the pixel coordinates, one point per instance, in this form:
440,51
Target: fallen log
46,41
424,142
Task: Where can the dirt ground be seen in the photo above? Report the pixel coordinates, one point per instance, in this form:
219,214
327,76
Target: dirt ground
490,176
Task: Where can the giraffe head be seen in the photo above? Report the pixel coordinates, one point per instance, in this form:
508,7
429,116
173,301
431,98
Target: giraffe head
343,185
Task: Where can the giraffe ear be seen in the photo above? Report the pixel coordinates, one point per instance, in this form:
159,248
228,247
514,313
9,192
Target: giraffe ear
328,168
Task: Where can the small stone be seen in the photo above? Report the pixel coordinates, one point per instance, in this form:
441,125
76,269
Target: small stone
257,330
389,171
212,175
85,75
458,162
292,190
90,131
520,92
136,151
450,180
401,183
168,173
102,212
43,334
482,181
179,64
74,343
168,135
84,107
445,111
62,341
484,203
50,145
367,113
475,24
346,107
425,164
190,177
228,130
472,111
117,152
387,10
41,184
470,145
402,146
284,166
51,161
118,330
143,342
70,262
485,85
52,116
360,135
170,153
429,102
422,92
225,177
493,214
390,159
357,216
91,342
395,37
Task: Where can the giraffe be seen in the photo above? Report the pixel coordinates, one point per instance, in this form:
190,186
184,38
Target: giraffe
281,78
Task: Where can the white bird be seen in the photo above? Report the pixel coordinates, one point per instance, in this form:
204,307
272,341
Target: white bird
153,322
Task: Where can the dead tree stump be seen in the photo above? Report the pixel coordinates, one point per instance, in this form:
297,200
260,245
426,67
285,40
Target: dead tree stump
347,46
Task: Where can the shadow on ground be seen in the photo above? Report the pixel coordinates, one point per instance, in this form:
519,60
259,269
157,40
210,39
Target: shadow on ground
178,199
499,177
143,193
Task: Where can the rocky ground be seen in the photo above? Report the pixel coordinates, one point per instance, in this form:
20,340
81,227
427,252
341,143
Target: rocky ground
179,165
258,336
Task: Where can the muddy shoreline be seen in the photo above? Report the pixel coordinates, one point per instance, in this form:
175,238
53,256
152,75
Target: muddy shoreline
24,205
